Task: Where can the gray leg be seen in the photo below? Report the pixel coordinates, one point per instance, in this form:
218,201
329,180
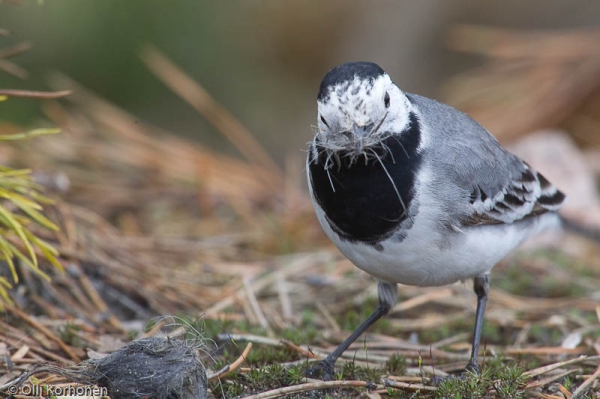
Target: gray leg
388,296
481,286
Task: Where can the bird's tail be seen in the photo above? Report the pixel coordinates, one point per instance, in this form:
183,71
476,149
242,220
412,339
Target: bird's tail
580,228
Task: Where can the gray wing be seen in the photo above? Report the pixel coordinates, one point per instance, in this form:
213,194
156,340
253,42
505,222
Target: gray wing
492,185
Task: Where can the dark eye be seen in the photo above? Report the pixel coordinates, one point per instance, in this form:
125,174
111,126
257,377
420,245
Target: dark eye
324,121
386,100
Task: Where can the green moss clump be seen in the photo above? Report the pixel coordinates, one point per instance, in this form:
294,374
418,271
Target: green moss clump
506,380
396,365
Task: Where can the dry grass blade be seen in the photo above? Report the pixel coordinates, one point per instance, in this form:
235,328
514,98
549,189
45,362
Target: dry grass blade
15,50
35,324
9,52
545,369
586,384
40,95
407,387
422,299
207,106
13,69
233,366
255,305
305,353
565,391
257,339
29,134
544,351
311,386
548,380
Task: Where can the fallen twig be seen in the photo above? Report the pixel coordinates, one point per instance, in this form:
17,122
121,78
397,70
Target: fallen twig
233,366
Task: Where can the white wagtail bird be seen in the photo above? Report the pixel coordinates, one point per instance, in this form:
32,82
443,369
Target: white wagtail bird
413,191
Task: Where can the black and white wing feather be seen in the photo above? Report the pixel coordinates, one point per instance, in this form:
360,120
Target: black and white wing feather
499,186
529,194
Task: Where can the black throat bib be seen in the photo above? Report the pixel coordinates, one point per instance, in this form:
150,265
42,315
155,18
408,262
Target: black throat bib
364,207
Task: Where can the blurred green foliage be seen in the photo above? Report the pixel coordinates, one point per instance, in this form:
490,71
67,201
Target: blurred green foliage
20,192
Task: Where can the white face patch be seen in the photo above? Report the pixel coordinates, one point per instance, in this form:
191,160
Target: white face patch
356,114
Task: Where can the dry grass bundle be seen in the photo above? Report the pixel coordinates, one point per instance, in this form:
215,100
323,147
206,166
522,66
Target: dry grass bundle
530,81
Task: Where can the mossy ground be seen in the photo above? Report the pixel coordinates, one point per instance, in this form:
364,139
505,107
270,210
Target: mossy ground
269,367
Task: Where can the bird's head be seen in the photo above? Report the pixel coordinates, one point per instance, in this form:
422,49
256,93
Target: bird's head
359,106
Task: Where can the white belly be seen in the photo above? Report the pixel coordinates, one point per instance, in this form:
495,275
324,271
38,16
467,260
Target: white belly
426,258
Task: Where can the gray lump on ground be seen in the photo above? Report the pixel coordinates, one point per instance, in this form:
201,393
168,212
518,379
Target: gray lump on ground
149,368
160,368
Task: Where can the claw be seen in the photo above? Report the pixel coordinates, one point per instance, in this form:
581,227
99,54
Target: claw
473,367
322,370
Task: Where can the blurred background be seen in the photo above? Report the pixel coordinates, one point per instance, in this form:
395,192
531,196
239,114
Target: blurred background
263,61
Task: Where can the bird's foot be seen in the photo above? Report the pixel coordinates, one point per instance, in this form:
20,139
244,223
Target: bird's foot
472,367
322,370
